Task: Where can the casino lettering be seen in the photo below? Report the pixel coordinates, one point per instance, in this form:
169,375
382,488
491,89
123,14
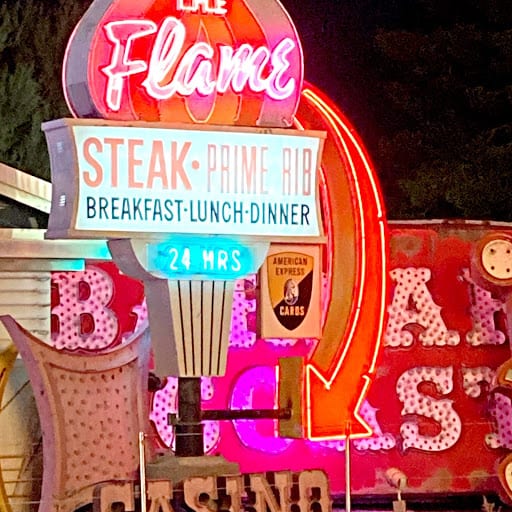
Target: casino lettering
279,491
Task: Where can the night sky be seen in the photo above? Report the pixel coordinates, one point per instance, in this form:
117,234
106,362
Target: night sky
445,109
338,39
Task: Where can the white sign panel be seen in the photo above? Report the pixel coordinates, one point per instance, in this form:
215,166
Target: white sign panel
137,179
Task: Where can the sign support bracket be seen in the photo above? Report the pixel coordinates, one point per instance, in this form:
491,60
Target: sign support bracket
189,429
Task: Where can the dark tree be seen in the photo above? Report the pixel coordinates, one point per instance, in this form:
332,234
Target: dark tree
448,129
427,83
33,37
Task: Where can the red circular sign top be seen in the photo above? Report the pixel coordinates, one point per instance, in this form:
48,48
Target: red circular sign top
234,62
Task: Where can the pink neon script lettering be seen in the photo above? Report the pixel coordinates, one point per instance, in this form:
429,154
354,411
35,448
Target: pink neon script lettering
257,68
122,34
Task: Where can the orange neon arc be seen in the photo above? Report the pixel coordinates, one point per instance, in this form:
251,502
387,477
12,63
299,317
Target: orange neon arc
341,368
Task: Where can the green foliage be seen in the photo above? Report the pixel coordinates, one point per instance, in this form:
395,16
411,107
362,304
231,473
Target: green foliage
428,86
33,37
427,83
22,110
445,149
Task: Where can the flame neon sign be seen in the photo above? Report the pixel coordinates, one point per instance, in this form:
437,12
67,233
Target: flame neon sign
240,63
200,62
192,70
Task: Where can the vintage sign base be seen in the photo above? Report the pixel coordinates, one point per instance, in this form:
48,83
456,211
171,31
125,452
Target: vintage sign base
177,469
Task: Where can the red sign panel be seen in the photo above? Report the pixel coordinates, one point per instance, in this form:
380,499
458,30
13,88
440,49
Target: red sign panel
436,409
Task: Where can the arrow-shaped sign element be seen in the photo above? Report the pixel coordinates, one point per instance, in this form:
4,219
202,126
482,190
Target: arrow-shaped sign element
340,369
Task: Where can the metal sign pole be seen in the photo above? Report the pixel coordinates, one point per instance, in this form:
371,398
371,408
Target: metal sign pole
348,504
189,429
142,472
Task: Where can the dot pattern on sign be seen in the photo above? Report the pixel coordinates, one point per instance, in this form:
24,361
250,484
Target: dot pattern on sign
165,402
412,304
474,378
97,425
84,296
378,440
501,411
73,307
439,410
99,286
483,308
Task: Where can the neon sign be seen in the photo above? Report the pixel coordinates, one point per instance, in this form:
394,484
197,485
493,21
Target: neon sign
457,304
228,63
201,62
193,72
339,371
163,179
208,257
